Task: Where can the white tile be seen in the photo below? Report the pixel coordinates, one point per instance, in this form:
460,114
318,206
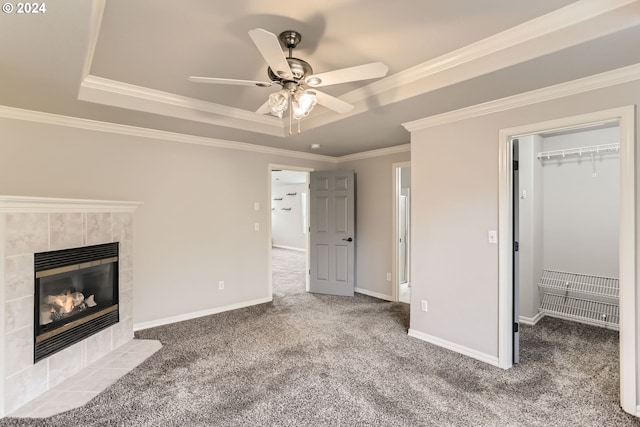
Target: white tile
122,332
122,227
92,380
136,345
98,345
126,304
125,281
18,314
65,364
86,384
105,360
25,386
99,228
126,254
26,233
55,402
26,409
18,350
66,230
127,360
18,276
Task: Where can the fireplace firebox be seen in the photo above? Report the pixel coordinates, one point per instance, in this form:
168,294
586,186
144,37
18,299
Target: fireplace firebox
76,295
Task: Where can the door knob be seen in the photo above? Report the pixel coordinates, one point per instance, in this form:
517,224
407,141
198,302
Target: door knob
348,240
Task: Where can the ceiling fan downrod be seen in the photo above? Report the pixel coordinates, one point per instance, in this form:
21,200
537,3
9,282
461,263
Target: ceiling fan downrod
290,38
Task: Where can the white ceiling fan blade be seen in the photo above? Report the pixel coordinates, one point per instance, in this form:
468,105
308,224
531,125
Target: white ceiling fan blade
332,102
351,74
269,46
215,80
264,108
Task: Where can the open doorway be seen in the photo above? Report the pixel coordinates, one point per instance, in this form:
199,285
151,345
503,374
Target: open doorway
621,124
402,232
289,230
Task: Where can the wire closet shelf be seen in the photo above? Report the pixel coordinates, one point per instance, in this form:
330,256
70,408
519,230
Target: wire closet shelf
580,151
599,306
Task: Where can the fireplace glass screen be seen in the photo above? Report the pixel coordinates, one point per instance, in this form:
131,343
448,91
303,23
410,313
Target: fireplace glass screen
76,295
71,294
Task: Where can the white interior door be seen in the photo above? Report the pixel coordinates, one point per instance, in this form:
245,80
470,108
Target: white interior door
332,232
403,240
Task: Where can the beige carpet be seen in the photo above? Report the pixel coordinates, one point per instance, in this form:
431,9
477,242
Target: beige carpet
315,360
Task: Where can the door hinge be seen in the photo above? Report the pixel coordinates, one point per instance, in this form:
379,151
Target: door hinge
516,327
515,246
309,272
515,165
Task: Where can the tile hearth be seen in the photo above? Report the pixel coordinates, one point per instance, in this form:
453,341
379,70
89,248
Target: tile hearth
88,383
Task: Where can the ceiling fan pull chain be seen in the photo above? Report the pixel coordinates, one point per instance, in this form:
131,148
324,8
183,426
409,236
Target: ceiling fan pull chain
290,114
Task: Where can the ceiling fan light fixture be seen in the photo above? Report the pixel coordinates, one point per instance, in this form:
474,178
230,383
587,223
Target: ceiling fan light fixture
302,103
279,101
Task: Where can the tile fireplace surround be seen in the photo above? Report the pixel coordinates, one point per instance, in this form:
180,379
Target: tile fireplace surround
32,224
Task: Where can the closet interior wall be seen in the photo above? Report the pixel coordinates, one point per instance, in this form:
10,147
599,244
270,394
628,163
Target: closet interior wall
569,210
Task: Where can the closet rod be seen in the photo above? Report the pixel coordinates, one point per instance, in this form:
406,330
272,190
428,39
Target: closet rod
597,149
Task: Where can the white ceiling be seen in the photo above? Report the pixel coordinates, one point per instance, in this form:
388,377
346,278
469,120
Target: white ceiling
127,62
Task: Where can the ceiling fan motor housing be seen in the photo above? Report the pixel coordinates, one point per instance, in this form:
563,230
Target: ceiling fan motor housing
299,68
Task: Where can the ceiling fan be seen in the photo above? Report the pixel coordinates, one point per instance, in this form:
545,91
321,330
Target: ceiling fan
295,76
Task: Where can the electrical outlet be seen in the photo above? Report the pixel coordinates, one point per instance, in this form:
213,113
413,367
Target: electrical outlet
388,277
423,305
256,206
221,284
492,236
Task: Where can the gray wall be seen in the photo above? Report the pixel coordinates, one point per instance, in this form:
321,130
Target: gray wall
580,210
374,221
287,225
455,201
196,226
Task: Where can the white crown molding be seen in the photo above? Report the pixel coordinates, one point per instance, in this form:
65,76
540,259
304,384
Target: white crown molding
568,26
118,94
375,153
558,20
586,84
10,204
97,11
93,125
573,24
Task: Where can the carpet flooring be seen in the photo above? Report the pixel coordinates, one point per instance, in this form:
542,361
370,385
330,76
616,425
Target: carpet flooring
315,360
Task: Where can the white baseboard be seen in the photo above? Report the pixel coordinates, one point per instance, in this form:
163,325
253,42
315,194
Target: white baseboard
638,411
531,320
374,294
188,316
289,247
483,357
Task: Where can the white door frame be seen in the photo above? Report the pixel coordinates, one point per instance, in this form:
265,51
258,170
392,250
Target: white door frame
395,270
273,167
625,116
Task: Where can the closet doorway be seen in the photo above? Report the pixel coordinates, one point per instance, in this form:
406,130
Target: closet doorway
564,253
401,270
289,230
